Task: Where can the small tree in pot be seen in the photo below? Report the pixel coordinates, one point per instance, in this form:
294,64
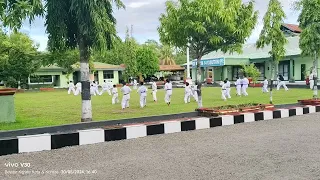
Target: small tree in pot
251,71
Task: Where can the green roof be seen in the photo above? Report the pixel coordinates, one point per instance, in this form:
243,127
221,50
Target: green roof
251,52
97,66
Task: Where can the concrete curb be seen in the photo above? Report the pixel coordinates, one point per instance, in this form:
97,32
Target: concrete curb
41,142
92,125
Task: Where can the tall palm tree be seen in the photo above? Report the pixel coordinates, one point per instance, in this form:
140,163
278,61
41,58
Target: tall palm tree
82,24
167,56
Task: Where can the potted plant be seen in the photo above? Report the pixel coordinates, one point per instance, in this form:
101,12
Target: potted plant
292,80
253,74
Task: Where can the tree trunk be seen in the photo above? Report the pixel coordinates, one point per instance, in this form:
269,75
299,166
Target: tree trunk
315,76
273,77
85,81
198,82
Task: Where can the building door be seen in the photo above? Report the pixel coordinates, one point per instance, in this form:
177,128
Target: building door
260,67
284,69
303,69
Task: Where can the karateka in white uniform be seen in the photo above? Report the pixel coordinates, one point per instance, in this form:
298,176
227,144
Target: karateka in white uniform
94,89
311,81
135,84
238,86
228,87
281,83
245,84
168,89
115,95
126,96
106,86
78,90
71,88
154,91
194,92
265,85
187,93
224,90
142,90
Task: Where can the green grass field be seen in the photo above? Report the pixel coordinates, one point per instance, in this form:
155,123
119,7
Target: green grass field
39,109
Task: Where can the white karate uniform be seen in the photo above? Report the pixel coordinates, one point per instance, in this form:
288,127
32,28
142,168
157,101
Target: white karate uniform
71,88
265,86
228,85
105,88
94,89
281,83
168,89
224,91
126,96
187,94
78,90
115,95
154,91
194,92
245,83
311,81
142,90
238,86
135,84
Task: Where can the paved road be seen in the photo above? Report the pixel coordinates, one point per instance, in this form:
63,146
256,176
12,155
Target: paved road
276,149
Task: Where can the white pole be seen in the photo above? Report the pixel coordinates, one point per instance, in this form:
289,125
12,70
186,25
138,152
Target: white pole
188,63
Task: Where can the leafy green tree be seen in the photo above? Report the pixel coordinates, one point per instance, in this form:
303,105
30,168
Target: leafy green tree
223,25
272,35
251,71
65,59
82,24
130,60
115,55
309,20
155,46
20,59
147,61
13,12
180,58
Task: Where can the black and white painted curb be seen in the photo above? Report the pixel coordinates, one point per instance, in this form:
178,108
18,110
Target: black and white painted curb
41,142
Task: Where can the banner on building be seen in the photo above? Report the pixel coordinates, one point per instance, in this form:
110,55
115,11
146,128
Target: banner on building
209,62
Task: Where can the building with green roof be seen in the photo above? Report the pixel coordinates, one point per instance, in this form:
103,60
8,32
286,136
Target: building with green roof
219,65
56,76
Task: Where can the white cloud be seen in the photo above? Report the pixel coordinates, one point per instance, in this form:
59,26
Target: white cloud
144,16
137,4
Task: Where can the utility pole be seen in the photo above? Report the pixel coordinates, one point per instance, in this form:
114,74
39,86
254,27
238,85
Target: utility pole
188,62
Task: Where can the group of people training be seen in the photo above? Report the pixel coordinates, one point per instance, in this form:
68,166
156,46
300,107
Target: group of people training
143,90
190,90
242,85
125,90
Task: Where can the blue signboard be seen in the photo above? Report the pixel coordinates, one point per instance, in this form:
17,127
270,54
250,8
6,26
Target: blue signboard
209,62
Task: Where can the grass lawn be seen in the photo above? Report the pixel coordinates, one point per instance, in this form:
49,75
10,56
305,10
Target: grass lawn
39,109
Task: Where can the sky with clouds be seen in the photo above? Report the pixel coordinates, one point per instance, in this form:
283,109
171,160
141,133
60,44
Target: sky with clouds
143,15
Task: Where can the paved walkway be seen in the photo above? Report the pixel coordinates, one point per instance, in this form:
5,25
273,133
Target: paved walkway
275,149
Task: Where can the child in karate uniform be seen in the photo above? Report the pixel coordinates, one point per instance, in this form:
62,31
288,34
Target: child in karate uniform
115,95
71,88
142,90
194,92
187,93
224,90
265,85
238,86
